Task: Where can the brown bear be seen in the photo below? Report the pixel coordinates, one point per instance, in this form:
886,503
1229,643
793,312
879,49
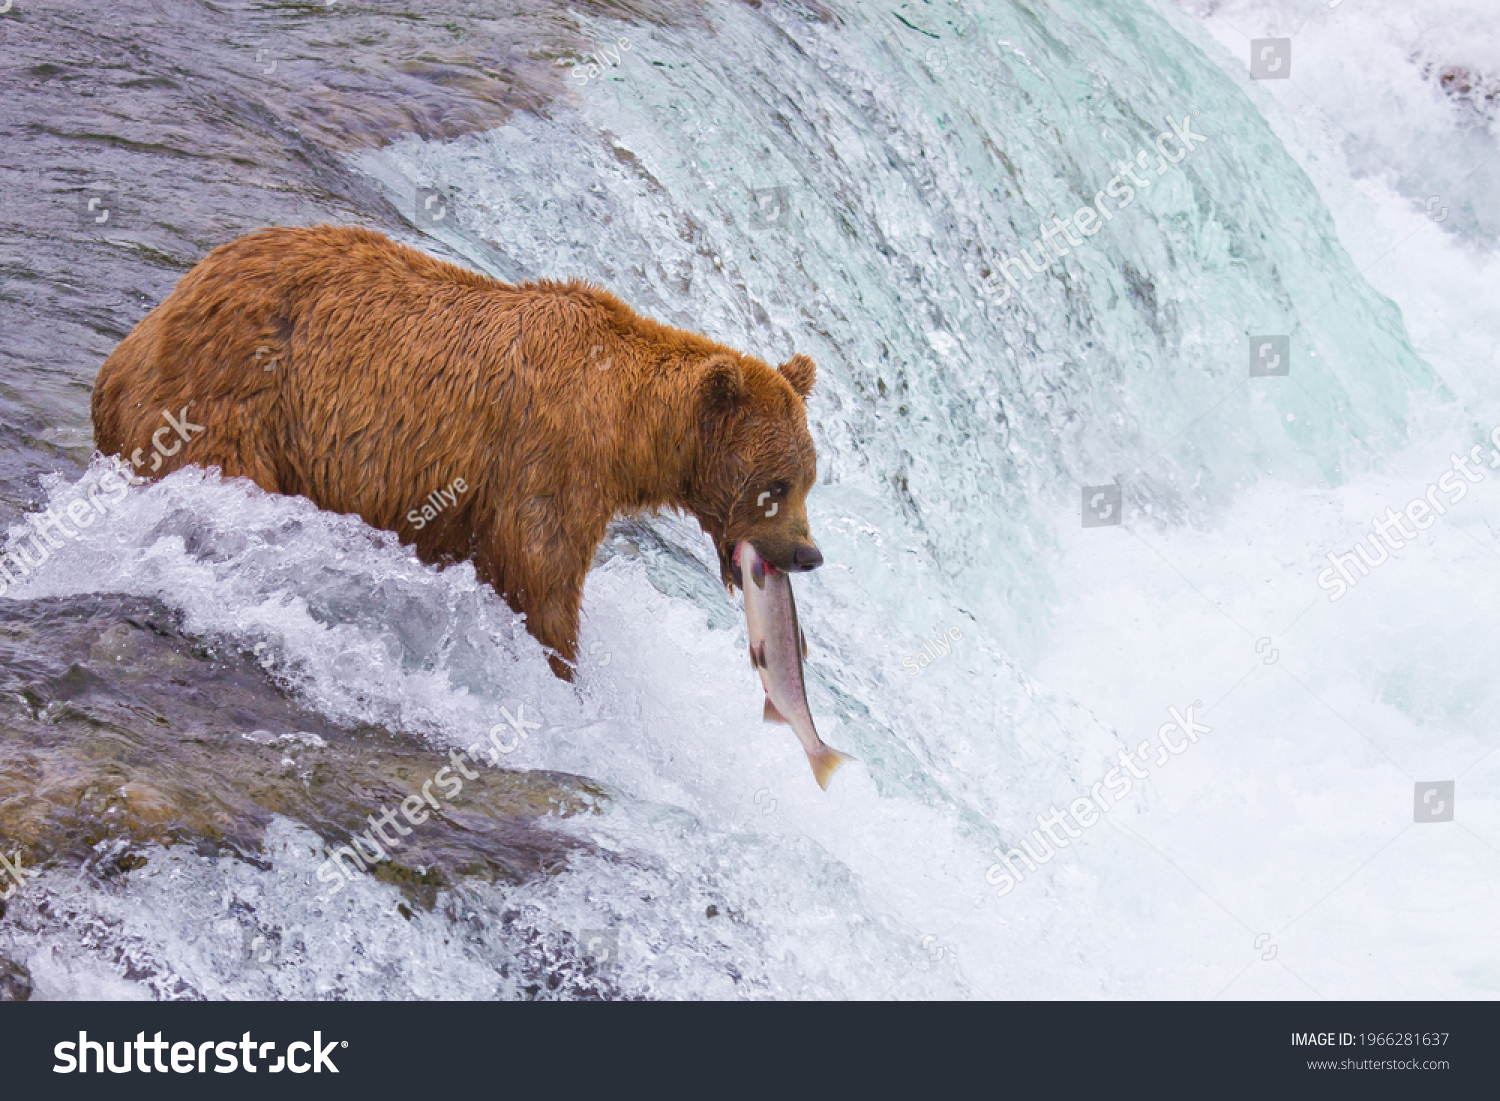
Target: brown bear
476,419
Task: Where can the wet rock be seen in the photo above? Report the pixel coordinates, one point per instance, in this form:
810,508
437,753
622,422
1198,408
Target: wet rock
15,982
119,731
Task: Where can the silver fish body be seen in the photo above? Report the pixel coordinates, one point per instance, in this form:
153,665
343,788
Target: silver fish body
777,647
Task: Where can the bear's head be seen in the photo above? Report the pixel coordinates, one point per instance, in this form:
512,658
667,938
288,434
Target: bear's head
758,461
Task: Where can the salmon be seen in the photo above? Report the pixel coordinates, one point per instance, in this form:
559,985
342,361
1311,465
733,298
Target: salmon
777,647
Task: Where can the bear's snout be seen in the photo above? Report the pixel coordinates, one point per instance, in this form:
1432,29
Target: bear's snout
791,557
806,558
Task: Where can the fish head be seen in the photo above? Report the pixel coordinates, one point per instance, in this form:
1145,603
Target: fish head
759,463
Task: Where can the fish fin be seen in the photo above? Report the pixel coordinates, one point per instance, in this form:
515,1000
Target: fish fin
803,634
825,762
771,715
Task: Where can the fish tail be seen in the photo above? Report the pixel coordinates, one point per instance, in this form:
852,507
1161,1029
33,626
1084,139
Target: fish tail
825,761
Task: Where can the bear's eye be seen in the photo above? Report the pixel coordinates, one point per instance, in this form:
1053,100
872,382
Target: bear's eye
780,489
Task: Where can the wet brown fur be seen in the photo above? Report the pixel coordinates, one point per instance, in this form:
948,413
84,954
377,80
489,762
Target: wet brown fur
392,373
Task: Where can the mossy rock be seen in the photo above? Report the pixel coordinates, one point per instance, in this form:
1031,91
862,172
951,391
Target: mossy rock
116,726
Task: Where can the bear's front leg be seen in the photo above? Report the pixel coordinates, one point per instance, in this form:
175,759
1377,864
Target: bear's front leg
538,561
552,618
545,585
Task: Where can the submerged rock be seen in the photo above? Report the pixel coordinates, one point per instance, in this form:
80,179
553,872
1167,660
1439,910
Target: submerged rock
119,731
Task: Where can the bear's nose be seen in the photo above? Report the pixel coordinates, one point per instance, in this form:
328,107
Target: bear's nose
807,558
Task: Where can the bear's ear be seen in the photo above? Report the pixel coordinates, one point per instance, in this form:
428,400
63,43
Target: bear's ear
801,373
721,385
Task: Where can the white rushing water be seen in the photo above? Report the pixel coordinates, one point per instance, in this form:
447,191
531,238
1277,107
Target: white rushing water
844,184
